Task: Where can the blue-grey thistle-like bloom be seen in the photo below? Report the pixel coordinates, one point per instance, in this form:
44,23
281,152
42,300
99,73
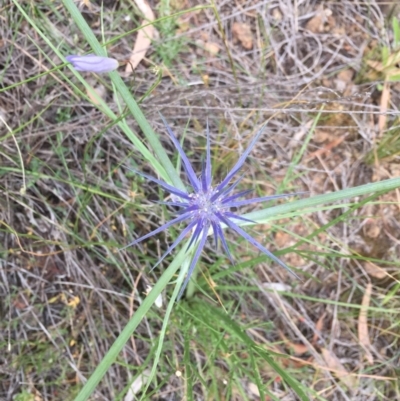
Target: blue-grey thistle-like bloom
206,207
93,63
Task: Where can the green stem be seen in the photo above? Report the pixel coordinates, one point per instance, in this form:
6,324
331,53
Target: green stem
122,89
127,332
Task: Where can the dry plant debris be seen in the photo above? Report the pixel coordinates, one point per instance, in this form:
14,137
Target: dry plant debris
65,291
334,364
363,331
144,37
242,33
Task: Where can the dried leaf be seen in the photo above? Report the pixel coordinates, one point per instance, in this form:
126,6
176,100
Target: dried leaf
318,328
363,334
321,136
242,32
97,93
346,75
327,148
343,82
86,3
3,116
276,14
297,349
144,37
371,228
316,24
375,271
385,101
282,239
376,65
277,286
159,300
338,369
21,302
389,66
253,389
299,135
38,397
137,385
211,48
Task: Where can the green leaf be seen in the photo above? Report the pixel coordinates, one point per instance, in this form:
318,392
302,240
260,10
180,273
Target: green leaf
235,329
396,32
127,332
265,215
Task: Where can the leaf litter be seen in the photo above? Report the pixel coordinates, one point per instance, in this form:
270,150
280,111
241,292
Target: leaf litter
144,37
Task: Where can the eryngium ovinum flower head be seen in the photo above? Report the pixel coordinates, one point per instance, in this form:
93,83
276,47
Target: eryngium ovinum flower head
205,208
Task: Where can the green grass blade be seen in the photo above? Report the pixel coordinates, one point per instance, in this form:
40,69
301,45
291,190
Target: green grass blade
235,329
188,365
179,282
265,215
122,89
300,153
126,333
101,105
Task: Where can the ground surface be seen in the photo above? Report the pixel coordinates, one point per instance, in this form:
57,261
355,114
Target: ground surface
66,292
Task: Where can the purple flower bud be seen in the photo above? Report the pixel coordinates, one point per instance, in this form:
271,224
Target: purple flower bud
93,63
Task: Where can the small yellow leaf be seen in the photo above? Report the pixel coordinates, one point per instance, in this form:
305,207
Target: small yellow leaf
53,299
75,301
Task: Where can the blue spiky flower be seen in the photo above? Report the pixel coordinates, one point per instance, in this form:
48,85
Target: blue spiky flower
207,208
